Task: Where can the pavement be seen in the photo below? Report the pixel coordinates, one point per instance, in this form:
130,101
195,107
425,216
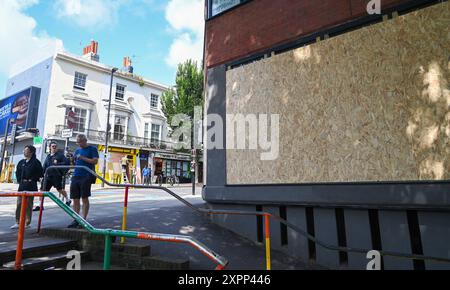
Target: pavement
154,211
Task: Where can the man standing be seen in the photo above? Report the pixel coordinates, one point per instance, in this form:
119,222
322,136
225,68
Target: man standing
80,187
55,177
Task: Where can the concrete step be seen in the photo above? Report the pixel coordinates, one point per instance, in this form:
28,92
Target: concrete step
35,247
47,262
134,262
73,234
132,255
163,263
96,244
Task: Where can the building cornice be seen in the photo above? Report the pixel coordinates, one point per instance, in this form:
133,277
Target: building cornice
107,69
155,114
81,99
120,108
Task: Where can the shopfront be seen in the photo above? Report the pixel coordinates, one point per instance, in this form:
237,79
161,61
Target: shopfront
114,162
173,165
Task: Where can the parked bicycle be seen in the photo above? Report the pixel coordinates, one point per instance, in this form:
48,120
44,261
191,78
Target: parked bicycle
173,180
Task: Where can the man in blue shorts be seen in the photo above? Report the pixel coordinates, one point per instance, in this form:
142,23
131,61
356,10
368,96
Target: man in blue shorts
80,186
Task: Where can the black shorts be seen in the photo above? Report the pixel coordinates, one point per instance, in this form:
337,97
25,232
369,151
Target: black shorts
53,181
80,187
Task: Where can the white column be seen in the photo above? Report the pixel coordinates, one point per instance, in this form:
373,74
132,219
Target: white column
88,120
126,128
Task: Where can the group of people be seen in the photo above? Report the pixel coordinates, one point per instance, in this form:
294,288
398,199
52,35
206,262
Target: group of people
30,171
146,172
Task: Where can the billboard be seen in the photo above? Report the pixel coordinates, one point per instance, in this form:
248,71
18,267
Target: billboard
21,107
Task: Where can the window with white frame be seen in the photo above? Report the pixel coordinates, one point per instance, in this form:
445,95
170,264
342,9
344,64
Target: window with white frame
76,118
119,128
120,92
79,81
156,130
154,99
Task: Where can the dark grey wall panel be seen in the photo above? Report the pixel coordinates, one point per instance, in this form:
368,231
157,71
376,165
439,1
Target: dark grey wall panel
243,225
297,244
325,229
358,236
275,232
435,232
387,195
395,237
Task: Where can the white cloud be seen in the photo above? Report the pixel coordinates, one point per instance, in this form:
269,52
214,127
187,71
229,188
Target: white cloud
89,13
21,42
186,18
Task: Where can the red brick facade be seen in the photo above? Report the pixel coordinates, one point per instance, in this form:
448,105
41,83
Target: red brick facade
261,24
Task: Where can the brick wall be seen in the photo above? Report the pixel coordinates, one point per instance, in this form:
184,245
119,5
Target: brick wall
262,24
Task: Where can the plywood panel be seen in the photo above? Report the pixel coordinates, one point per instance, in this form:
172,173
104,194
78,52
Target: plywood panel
369,105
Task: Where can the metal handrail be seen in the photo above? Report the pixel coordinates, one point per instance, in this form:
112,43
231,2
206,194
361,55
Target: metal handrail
108,233
266,215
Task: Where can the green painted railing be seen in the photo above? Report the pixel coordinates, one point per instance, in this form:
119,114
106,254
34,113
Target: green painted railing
109,233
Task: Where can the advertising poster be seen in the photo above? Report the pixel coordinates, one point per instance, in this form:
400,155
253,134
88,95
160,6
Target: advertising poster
22,108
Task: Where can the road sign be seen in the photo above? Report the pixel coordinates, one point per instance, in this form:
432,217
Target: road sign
38,140
66,133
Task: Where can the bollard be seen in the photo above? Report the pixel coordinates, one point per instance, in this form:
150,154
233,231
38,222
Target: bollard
266,220
124,217
21,234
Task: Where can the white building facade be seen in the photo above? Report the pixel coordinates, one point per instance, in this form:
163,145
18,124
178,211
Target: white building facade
74,94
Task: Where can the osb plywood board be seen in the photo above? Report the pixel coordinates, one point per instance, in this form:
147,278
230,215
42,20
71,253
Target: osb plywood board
369,105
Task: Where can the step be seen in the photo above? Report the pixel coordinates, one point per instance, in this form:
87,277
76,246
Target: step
148,263
96,243
72,234
132,255
35,247
50,262
163,263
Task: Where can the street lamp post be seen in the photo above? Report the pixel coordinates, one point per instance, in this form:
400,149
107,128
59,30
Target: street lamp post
2,157
108,125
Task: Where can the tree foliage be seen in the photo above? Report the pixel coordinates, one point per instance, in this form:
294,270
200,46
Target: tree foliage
187,94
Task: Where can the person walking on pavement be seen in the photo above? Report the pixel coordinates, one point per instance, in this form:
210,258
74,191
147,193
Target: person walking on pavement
28,172
146,174
80,186
55,177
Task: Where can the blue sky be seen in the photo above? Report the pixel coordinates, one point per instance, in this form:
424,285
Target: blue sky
157,34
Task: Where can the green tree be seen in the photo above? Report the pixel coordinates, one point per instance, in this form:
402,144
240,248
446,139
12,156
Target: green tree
187,93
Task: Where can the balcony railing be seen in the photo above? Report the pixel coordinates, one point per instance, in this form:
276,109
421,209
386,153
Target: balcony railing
120,139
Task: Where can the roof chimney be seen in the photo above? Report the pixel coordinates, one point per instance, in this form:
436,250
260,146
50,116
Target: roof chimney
90,51
127,64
